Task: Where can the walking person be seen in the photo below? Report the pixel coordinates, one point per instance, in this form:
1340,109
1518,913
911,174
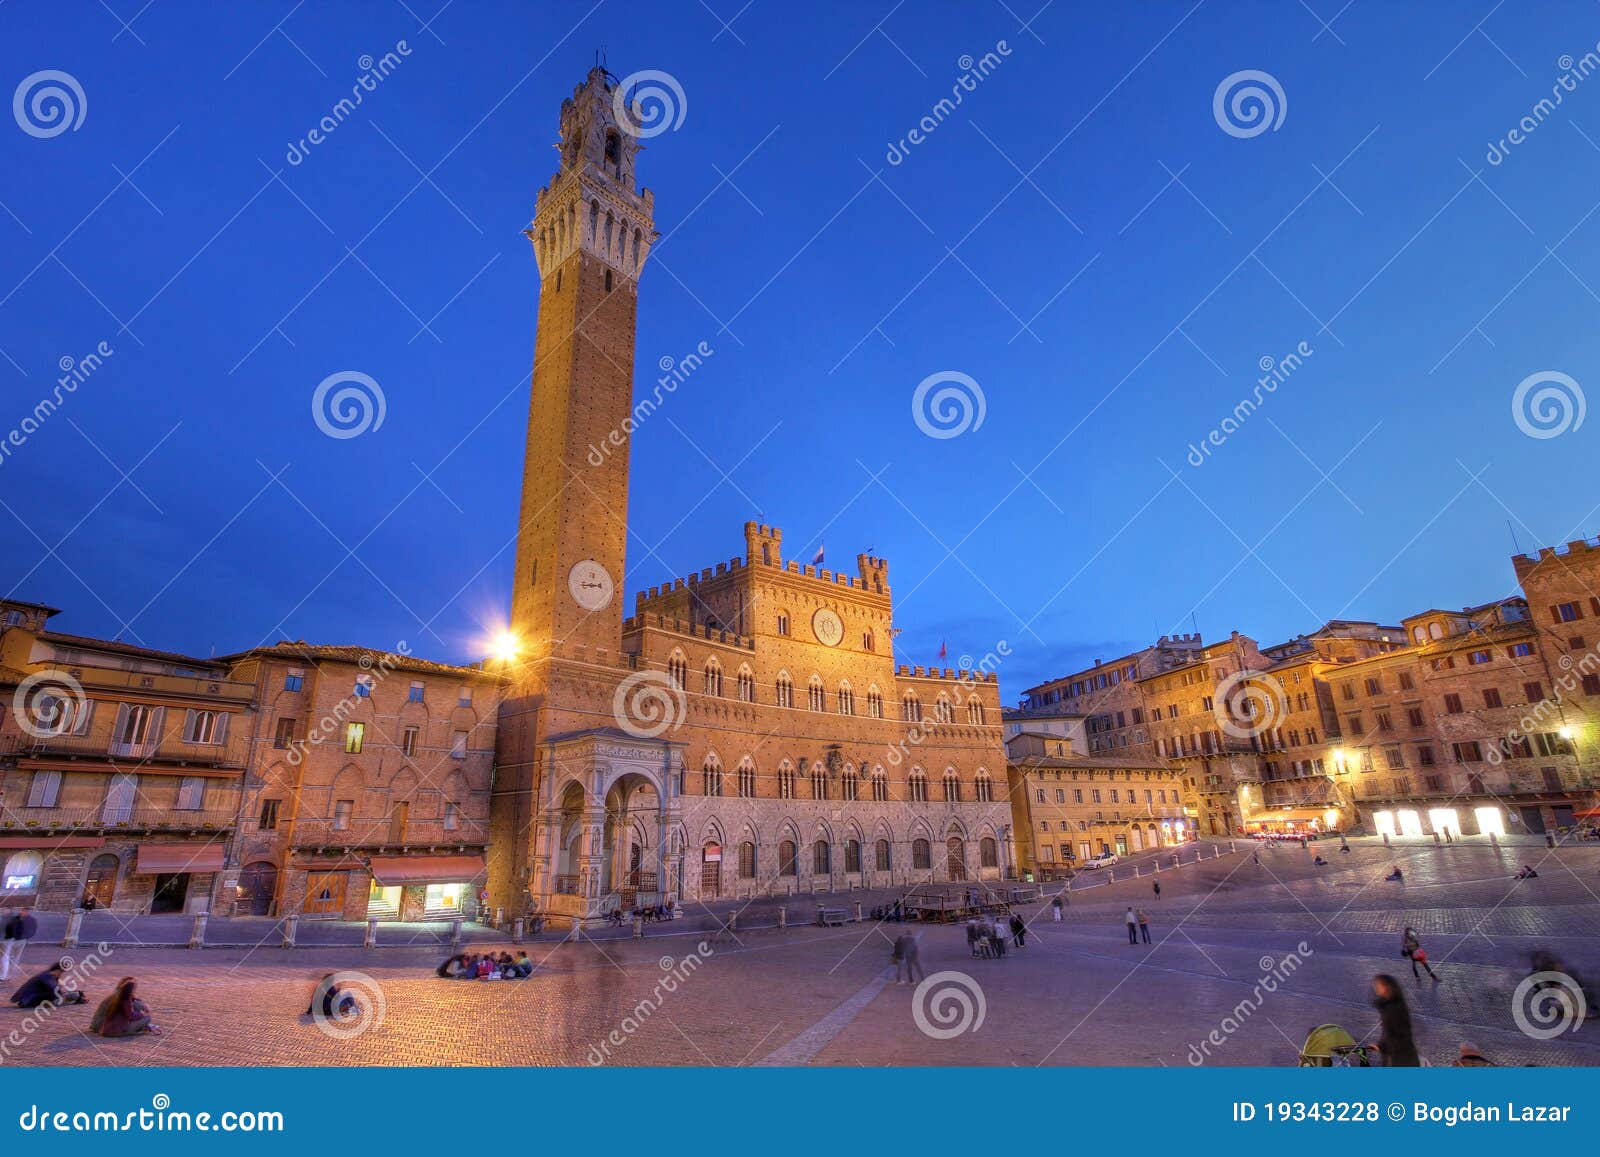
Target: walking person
1395,1040
1144,926
1019,931
20,929
1411,948
1155,886
1133,926
905,959
1055,909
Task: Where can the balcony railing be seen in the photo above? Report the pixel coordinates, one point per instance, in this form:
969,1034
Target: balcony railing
566,885
169,750
103,819
386,831
642,881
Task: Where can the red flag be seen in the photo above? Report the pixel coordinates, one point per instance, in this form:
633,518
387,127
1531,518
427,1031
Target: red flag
944,651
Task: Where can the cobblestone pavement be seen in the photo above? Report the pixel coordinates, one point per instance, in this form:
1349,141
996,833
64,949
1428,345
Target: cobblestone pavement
1079,993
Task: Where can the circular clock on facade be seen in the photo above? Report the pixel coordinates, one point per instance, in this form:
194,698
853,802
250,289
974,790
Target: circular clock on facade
591,585
828,627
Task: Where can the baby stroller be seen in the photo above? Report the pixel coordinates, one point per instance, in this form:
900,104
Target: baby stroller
1329,1046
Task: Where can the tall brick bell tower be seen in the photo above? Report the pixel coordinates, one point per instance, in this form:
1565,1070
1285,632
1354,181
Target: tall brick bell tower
591,232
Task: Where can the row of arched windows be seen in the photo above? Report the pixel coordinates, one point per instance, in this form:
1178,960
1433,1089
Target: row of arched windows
822,858
849,783
609,236
844,700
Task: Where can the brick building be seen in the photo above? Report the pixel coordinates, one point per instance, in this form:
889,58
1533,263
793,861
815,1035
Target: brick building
1069,806
368,792
120,770
747,730
1476,721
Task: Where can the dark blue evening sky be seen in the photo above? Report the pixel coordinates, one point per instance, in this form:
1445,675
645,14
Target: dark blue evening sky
1426,282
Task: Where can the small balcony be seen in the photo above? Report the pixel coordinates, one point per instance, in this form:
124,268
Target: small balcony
103,820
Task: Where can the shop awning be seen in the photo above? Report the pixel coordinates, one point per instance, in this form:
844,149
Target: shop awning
391,871
154,859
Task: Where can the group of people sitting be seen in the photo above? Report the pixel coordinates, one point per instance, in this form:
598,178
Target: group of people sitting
895,912
487,966
122,1013
987,937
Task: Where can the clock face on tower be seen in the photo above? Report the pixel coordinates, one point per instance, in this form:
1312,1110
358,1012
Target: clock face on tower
828,627
590,585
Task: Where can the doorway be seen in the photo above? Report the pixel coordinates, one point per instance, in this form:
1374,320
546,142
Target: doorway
257,883
956,857
324,894
101,883
1533,820
171,889
710,871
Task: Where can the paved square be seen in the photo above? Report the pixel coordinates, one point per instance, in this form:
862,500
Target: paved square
1077,994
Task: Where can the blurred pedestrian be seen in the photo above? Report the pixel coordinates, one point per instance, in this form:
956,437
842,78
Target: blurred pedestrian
1133,926
19,929
1144,926
906,964
1395,1040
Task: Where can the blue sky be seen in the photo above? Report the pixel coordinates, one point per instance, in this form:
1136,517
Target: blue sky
1080,237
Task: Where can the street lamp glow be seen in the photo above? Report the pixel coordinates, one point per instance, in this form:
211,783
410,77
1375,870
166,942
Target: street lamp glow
1566,732
505,647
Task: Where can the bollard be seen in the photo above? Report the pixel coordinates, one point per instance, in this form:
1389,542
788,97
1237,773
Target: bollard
1156,864
1175,861
1549,840
1230,845
371,940
291,924
1386,839
455,932
638,927
197,935
783,917
499,916
1111,875
858,911
516,930
74,925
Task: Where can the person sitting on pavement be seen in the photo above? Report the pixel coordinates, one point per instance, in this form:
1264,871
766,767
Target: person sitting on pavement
452,968
522,966
122,1013
46,988
1471,1058
1527,873
328,1001
1319,862
1396,874
485,968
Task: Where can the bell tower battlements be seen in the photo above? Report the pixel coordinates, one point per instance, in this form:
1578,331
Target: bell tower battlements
591,204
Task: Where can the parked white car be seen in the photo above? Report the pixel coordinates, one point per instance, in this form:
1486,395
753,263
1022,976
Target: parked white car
1105,860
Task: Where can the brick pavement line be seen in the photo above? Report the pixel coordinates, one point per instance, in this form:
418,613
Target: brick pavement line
813,1040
